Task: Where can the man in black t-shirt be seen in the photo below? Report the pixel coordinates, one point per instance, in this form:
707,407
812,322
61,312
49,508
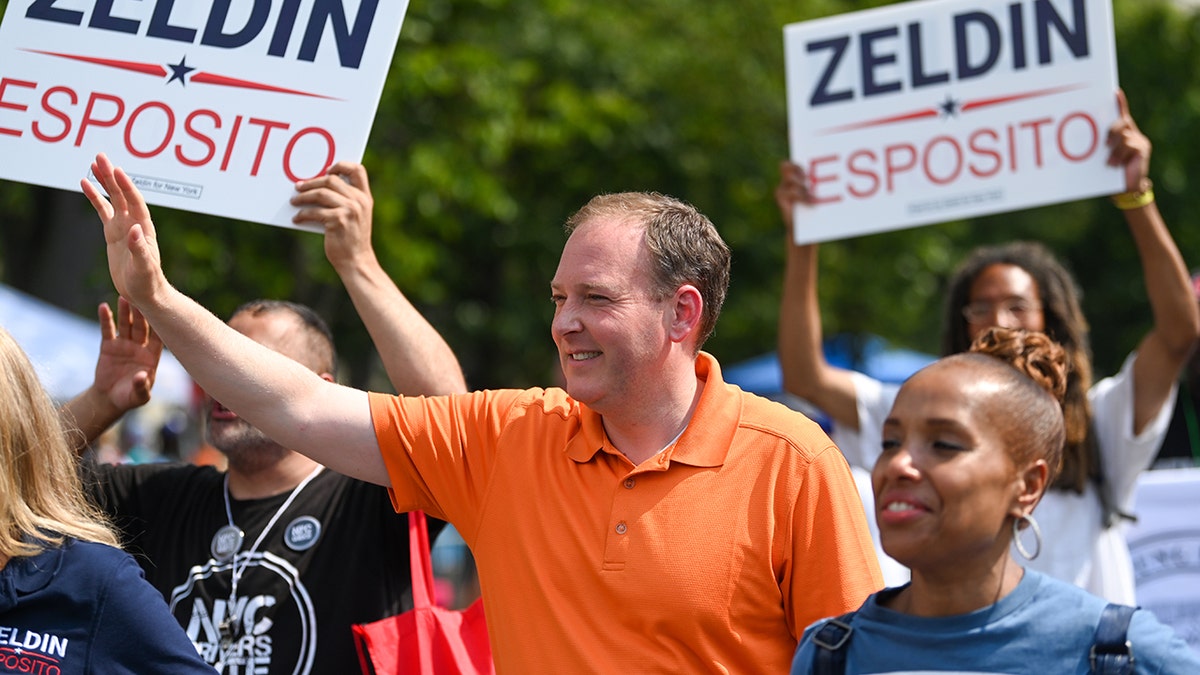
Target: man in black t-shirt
267,564
312,551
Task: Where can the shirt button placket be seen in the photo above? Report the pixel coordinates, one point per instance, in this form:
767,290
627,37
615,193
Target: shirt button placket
628,484
622,506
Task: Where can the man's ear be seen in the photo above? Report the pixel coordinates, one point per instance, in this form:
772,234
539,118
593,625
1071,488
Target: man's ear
328,377
687,309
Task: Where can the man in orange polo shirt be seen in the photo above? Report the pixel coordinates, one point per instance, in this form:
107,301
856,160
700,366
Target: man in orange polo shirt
649,518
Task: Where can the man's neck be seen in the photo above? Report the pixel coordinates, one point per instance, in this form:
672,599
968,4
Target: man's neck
269,480
648,432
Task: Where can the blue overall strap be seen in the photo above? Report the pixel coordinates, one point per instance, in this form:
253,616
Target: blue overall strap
831,640
1111,652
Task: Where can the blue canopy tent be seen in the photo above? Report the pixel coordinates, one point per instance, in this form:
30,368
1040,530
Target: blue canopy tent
63,348
866,353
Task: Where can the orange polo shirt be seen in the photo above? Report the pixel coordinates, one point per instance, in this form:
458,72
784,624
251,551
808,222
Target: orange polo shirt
712,556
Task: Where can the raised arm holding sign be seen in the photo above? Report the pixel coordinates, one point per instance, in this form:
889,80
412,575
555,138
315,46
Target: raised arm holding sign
417,360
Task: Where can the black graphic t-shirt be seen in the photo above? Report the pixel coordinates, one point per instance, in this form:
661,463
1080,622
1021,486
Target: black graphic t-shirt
336,556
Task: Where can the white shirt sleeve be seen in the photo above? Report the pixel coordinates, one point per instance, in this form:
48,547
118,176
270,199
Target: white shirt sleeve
1123,455
874,399
862,447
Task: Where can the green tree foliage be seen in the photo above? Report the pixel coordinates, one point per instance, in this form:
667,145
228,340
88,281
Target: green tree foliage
500,117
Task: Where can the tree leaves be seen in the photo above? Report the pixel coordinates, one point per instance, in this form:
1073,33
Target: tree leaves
501,117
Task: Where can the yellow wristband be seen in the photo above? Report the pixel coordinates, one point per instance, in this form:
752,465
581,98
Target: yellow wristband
1135,199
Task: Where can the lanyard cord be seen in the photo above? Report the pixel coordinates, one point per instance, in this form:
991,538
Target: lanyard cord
235,570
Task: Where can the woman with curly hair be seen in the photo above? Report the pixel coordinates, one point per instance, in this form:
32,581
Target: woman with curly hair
969,448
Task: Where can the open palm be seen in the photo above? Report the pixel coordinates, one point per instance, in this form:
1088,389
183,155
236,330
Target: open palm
129,356
133,256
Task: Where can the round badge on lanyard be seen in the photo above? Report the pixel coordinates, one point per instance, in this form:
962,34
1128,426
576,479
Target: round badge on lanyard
226,542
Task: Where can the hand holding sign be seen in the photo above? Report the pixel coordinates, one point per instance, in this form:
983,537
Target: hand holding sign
1129,147
340,203
791,193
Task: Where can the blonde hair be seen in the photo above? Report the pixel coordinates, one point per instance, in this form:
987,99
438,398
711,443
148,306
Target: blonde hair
41,497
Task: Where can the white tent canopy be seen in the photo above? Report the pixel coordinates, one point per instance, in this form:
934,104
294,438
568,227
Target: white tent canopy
63,348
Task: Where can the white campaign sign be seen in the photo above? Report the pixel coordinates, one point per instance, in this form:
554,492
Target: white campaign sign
1165,546
216,107
934,110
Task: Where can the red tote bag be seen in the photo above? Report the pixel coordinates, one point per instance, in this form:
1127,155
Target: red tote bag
428,639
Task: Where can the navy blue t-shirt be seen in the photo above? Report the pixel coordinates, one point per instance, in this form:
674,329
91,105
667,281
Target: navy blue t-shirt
86,608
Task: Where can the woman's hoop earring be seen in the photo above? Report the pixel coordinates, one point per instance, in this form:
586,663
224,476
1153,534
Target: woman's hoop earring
1037,535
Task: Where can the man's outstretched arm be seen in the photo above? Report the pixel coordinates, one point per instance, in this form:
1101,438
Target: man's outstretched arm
417,359
287,401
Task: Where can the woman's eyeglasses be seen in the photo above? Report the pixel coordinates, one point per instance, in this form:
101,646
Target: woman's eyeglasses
982,311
